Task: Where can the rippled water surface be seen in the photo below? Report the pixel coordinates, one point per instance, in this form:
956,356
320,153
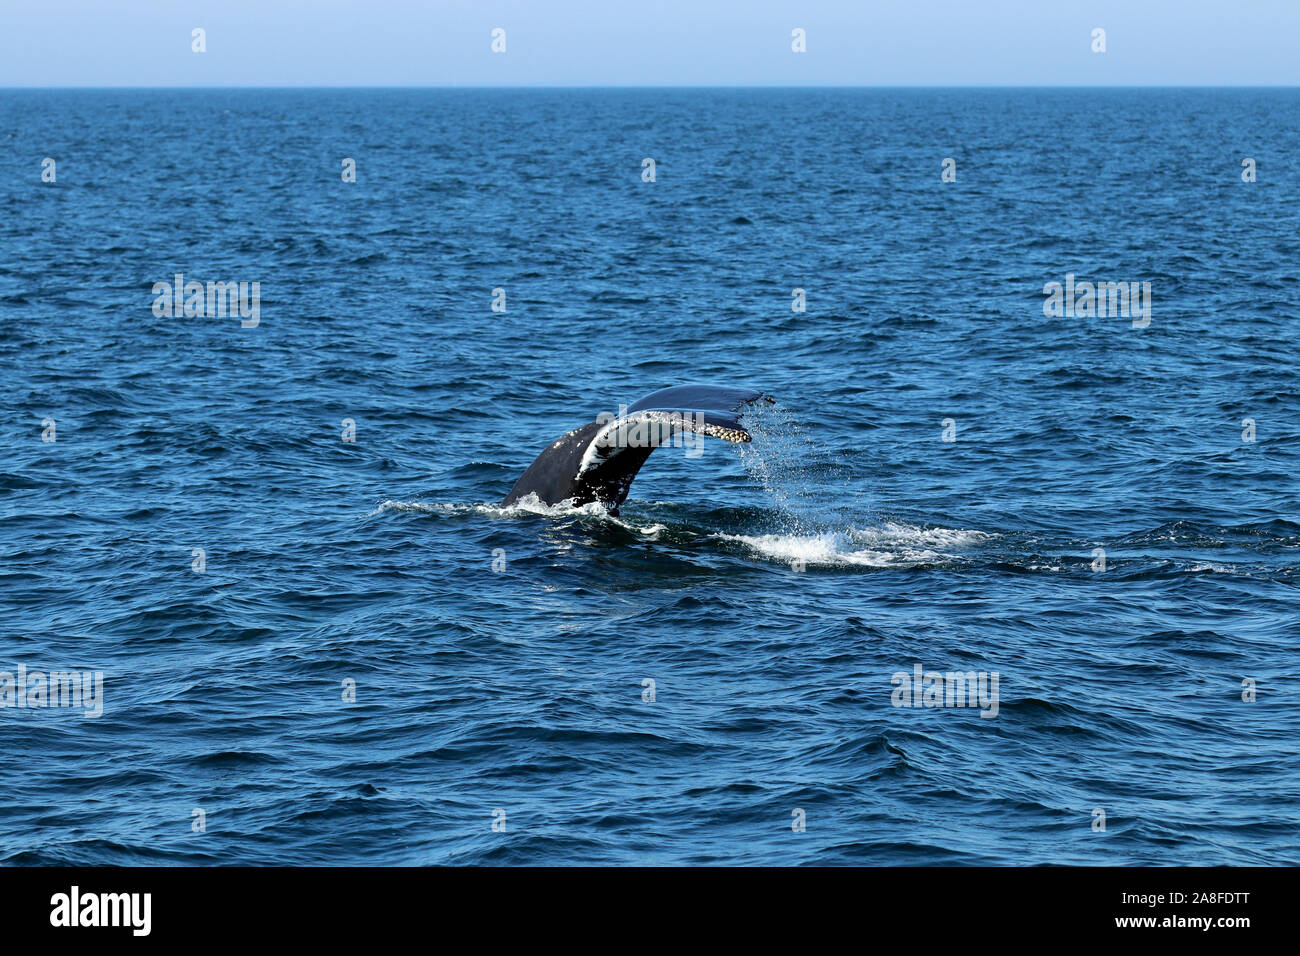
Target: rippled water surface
501,658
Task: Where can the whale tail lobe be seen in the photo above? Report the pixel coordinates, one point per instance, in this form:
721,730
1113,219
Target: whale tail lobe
597,462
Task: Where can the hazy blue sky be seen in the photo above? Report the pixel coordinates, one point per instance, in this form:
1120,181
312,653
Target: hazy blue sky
651,43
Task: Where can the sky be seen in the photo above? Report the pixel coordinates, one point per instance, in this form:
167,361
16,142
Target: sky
649,43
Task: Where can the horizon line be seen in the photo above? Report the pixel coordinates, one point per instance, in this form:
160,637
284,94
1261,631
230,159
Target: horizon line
681,86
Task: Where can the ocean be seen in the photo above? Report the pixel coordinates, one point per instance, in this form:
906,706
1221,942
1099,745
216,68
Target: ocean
275,533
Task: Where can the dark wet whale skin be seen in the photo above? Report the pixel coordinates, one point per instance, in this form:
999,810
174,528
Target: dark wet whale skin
554,475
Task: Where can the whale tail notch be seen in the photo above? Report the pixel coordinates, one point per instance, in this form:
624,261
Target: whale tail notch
597,462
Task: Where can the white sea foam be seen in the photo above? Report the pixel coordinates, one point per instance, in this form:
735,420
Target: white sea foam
889,544
423,506
529,504
1216,569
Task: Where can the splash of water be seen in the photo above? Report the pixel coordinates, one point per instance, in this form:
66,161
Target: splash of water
819,517
803,480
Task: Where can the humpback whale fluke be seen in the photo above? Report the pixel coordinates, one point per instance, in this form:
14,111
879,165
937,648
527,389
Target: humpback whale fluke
598,461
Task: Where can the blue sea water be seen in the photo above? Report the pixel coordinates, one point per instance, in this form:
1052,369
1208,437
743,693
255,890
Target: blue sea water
770,591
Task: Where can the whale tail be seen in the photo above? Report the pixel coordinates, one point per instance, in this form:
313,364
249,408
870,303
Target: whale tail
597,462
